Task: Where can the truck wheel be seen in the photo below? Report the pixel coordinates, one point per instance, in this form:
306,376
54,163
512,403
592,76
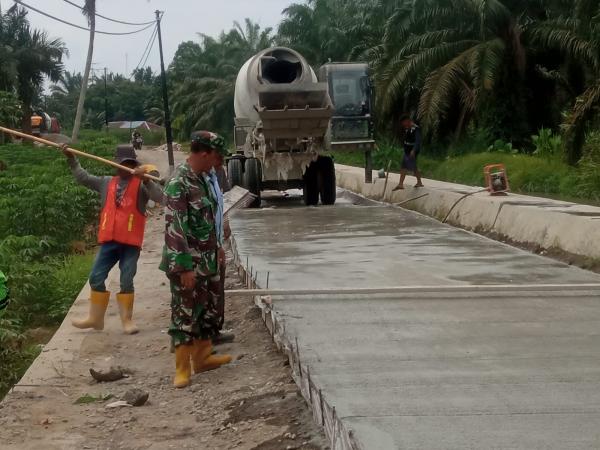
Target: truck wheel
235,172
311,185
327,187
252,179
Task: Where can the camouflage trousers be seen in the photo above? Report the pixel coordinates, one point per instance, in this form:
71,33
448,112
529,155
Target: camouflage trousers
194,312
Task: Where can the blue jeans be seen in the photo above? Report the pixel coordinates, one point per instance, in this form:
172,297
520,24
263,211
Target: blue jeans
110,253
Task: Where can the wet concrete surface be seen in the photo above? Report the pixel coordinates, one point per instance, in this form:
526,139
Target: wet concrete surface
430,371
370,246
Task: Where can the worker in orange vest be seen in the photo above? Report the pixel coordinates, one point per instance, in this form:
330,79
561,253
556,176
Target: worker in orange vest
120,233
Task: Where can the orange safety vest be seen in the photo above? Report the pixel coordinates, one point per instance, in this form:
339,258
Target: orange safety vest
124,223
36,121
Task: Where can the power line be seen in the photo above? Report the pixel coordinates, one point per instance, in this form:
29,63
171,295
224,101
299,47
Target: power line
147,51
78,26
108,18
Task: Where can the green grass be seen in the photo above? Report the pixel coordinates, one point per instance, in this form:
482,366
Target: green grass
527,174
55,294
124,136
42,213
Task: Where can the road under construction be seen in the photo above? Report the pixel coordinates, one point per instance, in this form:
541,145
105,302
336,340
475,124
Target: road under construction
487,345
401,333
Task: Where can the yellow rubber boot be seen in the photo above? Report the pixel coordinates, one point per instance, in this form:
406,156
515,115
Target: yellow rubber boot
203,358
125,302
183,366
98,305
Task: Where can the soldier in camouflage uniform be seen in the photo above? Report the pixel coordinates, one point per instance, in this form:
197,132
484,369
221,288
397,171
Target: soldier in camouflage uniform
190,259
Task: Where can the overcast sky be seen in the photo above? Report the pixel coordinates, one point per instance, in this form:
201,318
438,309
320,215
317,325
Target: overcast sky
182,21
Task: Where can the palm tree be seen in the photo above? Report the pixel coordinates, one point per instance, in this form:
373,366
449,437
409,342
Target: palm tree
250,39
455,55
89,11
574,31
68,84
321,29
64,96
35,56
205,75
10,22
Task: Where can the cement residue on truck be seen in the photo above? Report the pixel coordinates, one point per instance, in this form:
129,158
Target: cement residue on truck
287,119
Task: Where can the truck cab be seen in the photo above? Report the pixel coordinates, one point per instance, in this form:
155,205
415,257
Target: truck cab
351,92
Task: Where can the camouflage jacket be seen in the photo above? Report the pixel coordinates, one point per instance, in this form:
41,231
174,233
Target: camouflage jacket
190,235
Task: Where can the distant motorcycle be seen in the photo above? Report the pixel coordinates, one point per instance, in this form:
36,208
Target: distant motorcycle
137,142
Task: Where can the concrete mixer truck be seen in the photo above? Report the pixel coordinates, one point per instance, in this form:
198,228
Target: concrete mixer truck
287,119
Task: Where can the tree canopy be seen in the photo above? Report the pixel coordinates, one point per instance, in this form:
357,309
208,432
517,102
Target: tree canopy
510,67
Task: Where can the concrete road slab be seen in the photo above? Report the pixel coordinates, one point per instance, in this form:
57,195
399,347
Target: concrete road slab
518,370
382,246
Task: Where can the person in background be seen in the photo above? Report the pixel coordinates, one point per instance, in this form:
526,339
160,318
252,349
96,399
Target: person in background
412,148
124,199
191,259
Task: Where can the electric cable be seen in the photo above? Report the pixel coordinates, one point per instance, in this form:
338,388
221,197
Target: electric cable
108,18
147,51
150,50
78,26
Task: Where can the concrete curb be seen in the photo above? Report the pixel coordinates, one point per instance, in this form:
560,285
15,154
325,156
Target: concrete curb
533,222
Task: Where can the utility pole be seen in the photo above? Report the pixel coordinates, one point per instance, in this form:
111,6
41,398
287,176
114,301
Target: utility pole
105,102
165,98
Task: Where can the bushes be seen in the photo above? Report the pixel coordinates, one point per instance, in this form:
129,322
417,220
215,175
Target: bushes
123,136
588,179
15,356
42,211
547,145
527,173
543,172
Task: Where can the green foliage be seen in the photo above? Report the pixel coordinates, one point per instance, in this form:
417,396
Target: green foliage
15,355
10,109
501,146
527,174
547,145
65,282
42,211
89,398
123,136
28,56
506,66
121,98
588,180
204,75
476,140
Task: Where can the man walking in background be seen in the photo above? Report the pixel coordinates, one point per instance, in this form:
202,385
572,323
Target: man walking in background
191,259
412,148
124,199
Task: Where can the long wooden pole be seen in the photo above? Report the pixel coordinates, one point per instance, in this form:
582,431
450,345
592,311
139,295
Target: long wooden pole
487,290
75,152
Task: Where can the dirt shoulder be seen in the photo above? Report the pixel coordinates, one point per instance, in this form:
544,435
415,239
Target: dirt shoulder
252,403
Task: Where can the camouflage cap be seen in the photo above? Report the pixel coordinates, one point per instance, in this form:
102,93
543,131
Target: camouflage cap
212,140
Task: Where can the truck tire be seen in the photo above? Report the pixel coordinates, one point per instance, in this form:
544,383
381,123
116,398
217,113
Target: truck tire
235,172
253,179
327,188
310,192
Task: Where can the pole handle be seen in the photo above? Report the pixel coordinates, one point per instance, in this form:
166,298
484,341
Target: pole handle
75,151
